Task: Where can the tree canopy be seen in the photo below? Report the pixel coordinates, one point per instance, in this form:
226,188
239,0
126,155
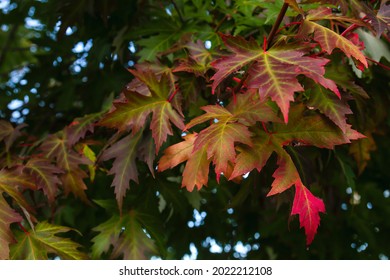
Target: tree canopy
194,129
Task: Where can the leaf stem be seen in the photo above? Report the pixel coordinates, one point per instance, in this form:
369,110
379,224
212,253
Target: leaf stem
276,25
23,228
378,63
173,93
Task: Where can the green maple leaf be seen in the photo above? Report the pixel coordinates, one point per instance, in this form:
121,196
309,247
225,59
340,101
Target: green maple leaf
217,142
219,138
38,243
123,236
134,111
273,72
381,21
334,108
12,182
312,129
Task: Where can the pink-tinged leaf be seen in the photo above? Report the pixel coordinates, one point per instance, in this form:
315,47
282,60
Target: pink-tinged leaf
381,21
308,207
196,171
273,72
285,175
219,139
274,75
243,51
124,167
329,40
213,112
177,153
45,176
160,125
134,112
7,217
80,127
334,108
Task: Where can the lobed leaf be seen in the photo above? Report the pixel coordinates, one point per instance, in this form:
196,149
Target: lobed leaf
125,236
38,244
45,176
334,108
124,167
134,112
7,217
308,207
329,40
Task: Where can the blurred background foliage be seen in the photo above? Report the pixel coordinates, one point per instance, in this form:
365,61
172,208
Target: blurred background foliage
60,60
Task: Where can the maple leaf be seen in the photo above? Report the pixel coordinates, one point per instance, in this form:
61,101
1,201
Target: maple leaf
80,127
273,71
7,217
124,167
196,170
334,108
45,176
125,235
12,182
285,175
177,153
198,60
134,112
312,129
9,134
38,243
381,21
327,38
308,207
249,109
252,157
56,148
219,138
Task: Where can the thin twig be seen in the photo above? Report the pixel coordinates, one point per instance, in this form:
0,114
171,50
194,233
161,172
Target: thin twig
275,27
